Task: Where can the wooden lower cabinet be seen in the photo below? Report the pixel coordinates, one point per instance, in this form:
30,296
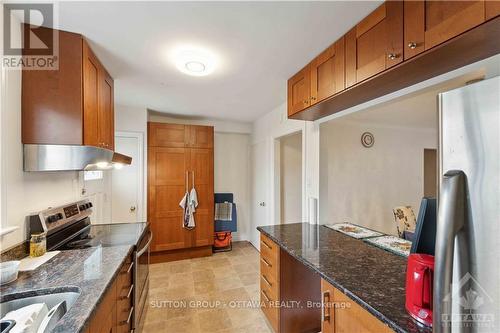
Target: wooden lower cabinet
114,313
342,315
269,280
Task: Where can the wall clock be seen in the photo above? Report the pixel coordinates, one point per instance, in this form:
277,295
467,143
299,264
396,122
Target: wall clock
367,139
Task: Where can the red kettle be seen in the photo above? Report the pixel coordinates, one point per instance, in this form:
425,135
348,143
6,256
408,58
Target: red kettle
419,279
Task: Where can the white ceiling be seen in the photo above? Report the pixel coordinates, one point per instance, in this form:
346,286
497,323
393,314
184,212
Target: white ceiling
261,44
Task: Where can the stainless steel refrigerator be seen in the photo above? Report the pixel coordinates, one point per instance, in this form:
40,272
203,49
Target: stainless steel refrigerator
467,258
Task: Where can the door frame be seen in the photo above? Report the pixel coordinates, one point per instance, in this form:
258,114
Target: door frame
276,176
141,181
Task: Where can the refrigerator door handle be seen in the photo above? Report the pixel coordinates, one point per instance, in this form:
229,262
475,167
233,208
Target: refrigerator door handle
452,217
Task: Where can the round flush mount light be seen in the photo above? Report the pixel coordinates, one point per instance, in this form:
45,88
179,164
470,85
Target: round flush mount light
195,61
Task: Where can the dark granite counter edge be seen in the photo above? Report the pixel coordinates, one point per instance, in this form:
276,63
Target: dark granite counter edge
86,323
355,298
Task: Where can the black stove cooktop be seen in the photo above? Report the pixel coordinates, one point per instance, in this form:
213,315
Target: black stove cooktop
106,235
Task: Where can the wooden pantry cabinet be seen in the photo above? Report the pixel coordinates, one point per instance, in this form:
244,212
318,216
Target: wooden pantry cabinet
342,315
180,157
73,105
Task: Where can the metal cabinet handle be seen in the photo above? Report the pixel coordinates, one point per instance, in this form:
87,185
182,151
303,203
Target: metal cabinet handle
313,98
306,102
266,280
130,267
267,245
452,225
326,306
412,45
265,296
266,262
123,322
129,293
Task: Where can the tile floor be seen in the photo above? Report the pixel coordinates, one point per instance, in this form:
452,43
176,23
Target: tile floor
212,294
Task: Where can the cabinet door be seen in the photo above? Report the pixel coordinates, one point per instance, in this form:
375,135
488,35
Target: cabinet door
201,176
349,317
492,9
430,23
106,110
201,136
327,72
90,97
327,312
376,42
167,184
299,90
167,135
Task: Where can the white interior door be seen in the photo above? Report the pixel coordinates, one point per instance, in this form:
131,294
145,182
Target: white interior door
126,190
260,189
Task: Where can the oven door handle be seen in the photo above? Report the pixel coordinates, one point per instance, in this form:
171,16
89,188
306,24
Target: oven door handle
145,248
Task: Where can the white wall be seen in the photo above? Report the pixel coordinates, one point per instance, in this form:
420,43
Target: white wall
24,193
291,178
361,185
231,172
266,130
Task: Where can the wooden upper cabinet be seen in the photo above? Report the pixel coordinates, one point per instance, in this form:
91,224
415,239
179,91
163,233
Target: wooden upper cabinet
299,91
179,136
376,42
73,105
201,136
430,23
491,8
167,135
106,110
98,102
328,72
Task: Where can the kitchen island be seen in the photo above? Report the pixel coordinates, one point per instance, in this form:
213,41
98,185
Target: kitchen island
372,278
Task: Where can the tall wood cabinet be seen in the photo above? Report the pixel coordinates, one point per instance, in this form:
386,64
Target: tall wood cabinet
180,157
73,105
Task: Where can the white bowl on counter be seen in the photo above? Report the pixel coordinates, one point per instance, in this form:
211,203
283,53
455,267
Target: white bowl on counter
9,271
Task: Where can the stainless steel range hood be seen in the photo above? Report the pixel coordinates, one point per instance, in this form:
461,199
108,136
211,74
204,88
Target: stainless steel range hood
71,158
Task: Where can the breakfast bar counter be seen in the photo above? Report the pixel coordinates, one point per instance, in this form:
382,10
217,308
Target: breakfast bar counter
373,278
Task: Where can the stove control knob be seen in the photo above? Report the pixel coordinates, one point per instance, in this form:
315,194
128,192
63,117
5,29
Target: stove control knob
82,207
59,216
52,218
89,205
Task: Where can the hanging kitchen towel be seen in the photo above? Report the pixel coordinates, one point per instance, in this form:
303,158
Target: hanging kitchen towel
193,203
187,216
224,211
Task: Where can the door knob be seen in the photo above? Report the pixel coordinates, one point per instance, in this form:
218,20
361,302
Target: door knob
262,204
132,209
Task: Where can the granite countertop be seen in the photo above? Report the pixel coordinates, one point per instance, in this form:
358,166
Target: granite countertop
90,271
372,277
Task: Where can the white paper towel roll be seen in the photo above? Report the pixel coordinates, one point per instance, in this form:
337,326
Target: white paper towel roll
313,210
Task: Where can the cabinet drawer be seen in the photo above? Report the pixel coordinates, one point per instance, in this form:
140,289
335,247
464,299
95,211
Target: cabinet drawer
270,287
270,310
270,271
269,250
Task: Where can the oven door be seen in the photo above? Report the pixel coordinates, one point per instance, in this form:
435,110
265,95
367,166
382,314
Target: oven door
141,278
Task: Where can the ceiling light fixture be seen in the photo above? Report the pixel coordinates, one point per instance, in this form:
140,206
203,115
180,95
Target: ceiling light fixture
194,61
